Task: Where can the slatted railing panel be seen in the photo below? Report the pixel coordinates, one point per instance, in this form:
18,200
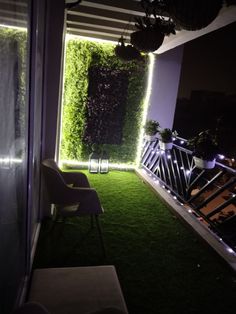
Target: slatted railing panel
198,188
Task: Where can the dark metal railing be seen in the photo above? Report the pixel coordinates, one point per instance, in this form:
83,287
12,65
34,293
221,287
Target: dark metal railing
211,194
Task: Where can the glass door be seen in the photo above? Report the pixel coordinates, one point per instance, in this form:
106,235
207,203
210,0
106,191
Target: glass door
13,148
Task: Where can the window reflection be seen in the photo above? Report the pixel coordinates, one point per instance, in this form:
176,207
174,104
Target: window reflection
13,140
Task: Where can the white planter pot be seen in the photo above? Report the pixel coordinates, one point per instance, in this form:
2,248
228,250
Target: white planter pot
165,146
204,164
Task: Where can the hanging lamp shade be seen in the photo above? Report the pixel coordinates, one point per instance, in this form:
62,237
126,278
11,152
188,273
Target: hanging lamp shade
194,14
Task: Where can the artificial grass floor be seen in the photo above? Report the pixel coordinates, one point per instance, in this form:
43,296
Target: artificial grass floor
163,267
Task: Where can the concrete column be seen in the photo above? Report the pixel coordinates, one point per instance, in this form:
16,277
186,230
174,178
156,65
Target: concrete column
54,46
53,55
165,85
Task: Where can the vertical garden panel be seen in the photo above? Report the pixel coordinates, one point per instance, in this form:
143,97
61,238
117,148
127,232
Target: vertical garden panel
103,102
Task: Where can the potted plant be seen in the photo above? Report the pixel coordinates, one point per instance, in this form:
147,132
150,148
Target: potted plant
126,52
187,14
151,33
166,138
193,15
205,149
151,128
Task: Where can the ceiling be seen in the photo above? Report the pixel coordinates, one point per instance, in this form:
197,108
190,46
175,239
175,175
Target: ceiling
13,13
109,19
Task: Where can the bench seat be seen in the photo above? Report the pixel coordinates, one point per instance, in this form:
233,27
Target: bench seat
78,290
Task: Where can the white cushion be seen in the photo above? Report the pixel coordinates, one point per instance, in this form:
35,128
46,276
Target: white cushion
78,290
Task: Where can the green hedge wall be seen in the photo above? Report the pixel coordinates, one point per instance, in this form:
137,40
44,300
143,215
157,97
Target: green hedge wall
80,56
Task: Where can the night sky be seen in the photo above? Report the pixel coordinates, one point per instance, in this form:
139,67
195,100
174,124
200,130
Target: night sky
209,63
207,89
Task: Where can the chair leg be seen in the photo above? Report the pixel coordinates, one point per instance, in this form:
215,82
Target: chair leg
55,217
100,235
54,213
52,224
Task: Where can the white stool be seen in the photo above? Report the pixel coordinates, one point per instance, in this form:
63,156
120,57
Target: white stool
78,290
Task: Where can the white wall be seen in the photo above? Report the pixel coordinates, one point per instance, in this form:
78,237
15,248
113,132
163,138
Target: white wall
165,85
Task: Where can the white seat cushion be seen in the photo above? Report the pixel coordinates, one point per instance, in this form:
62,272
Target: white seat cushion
78,290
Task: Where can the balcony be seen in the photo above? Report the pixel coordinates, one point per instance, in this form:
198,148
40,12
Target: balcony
205,199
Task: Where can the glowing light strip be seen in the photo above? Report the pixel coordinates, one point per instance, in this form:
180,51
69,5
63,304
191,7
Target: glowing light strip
7,160
14,27
86,163
145,107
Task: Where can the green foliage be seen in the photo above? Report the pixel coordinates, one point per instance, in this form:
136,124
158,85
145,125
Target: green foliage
14,41
80,56
166,135
204,145
151,127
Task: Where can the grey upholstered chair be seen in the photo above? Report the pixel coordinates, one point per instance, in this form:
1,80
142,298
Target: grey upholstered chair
71,194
